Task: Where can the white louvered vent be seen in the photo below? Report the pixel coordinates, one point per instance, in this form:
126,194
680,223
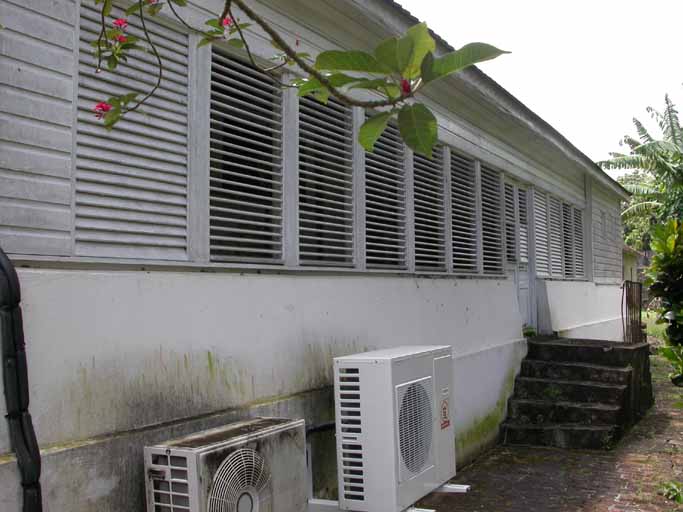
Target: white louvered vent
541,233
171,494
555,234
580,270
523,225
491,218
325,184
415,426
245,163
351,425
429,211
568,240
510,224
385,202
131,183
464,213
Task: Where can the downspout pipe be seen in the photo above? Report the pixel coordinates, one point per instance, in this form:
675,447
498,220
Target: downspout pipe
15,381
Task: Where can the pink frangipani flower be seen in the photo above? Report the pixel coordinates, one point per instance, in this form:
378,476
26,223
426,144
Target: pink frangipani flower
405,87
121,23
101,108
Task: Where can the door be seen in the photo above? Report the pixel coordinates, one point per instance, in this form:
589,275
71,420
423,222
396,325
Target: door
517,245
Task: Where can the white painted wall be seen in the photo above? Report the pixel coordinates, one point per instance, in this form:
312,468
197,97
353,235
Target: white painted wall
585,310
115,350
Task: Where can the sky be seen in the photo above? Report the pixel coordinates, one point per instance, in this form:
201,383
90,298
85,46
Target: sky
586,67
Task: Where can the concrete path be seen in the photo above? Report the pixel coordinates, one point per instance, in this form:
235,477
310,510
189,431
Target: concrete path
627,479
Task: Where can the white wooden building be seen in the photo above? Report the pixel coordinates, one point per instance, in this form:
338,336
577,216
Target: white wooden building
207,258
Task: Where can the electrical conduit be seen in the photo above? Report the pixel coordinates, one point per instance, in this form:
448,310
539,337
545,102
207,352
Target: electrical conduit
15,380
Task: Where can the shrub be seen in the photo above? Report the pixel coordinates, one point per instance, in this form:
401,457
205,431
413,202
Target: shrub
665,279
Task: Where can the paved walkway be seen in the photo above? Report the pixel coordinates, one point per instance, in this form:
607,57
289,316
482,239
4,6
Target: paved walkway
627,479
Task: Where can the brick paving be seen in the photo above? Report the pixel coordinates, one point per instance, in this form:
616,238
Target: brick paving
626,479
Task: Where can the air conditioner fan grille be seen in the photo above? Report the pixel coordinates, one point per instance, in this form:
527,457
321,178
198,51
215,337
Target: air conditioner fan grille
415,427
241,484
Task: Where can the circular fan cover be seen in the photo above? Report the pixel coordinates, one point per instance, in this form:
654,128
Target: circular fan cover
241,484
415,427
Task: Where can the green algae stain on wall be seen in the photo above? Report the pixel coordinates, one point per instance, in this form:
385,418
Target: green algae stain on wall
484,430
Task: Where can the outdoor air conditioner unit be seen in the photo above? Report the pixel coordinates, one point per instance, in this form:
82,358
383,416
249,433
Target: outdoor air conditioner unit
257,465
395,440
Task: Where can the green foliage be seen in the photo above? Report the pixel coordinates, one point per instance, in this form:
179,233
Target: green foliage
639,214
528,331
392,74
653,329
373,128
398,68
656,177
418,128
665,278
435,68
672,491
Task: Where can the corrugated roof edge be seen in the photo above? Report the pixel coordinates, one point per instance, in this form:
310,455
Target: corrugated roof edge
533,117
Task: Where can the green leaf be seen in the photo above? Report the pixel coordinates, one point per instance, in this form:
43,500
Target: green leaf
133,9
112,62
378,84
181,3
394,53
215,23
111,118
404,56
422,45
372,129
354,60
153,10
106,9
206,40
671,242
313,85
418,128
236,42
435,68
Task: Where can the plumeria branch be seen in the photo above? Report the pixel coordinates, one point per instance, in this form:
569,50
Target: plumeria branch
407,89
397,70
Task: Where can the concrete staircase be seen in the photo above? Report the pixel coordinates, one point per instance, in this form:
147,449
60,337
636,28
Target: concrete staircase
578,393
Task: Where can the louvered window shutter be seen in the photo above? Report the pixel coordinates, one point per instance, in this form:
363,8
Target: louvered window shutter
568,240
464,214
245,163
325,183
541,234
579,266
430,229
385,202
131,183
510,231
523,225
492,222
555,228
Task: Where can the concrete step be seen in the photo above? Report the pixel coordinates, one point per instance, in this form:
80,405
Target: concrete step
605,353
561,435
535,412
554,390
575,371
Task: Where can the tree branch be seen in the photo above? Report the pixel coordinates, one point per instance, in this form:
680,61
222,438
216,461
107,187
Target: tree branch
159,62
292,54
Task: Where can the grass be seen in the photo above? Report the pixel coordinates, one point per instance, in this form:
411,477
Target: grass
653,329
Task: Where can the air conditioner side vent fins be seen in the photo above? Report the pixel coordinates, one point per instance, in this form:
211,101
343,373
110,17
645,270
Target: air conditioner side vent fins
351,421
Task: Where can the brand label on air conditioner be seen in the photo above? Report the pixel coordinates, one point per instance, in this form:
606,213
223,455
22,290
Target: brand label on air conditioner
445,417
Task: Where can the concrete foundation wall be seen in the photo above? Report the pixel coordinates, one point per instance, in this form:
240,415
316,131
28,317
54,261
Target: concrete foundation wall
118,359
579,309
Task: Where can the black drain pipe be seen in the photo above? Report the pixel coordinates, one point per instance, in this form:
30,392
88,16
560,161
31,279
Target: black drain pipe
15,379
